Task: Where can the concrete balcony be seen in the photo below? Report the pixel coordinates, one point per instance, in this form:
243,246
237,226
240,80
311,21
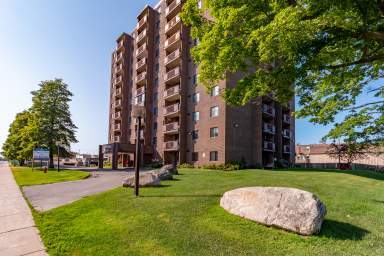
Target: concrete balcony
286,119
173,25
286,149
141,23
118,92
119,69
173,42
139,100
173,59
171,128
117,104
173,8
171,146
140,90
173,76
172,110
269,128
141,78
117,80
269,146
116,115
286,133
141,36
117,127
119,57
141,65
141,51
172,93
120,45
116,138
268,110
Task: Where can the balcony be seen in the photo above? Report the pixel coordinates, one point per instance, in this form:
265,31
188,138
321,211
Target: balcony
117,104
141,23
119,57
141,65
141,36
117,127
269,128
173,76
173,8
120,45
269,146
118,80
119,69
118,92
173,25
268,110
140,52
171,128
286,133
286,119
173,42
172,110
141,78
139,100
286,149
173,59
172,93
171,146
140,90
116,139
116,115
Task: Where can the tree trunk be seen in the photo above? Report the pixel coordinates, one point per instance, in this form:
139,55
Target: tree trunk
51,165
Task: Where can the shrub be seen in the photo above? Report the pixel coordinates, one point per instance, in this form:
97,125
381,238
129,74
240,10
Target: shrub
186,166
223,167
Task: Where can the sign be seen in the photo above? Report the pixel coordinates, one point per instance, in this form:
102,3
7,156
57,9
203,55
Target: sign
41,154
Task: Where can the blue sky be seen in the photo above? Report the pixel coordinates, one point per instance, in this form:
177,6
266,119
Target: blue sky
73,40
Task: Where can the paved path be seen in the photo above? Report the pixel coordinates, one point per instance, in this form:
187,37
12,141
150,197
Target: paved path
18,234
49,196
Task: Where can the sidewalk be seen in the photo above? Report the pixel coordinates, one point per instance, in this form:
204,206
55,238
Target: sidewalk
18,234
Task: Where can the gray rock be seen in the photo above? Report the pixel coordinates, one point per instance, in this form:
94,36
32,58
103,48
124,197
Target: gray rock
287,208
163,174
145,180
170,168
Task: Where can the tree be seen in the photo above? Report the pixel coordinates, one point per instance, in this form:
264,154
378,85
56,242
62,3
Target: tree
18,133
348,152
51,116
331,51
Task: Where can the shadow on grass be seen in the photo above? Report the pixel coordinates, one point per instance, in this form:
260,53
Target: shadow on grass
361,173
182,196
342,231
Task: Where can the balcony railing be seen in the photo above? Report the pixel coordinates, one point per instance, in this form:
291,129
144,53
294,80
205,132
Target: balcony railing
141,35
269,146
268,109
116,139
172,6
141,62
119,68
287,149
172,56
172,91
141,49
287,133
116,115
171,145
118,92
120,45
286,118
173,73
172,109
140,90
117,104
270,128
171,127
139,100
116,127
141,22
119,57
172,39
172,22
118,80
141,76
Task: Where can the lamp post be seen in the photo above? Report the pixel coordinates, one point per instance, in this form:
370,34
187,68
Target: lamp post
138,112
58,144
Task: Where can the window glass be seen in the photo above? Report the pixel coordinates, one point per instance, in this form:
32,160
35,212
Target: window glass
214,111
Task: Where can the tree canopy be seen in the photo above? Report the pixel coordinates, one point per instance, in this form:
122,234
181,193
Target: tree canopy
329,53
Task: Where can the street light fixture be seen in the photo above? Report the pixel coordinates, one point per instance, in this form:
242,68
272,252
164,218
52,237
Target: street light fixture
138,112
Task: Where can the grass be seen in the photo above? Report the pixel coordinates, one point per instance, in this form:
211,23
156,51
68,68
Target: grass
183,217
25,176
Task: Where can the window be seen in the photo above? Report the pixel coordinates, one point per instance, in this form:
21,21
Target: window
155,96
215,90
129,119
156,83
157,39
154,140
213,156
158,24
195,156
157,67
214,111
196,116
195,134
157,52
194,80
155,126
196,97
155,111
214,132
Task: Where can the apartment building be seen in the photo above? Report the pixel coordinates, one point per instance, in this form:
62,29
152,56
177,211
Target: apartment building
152,67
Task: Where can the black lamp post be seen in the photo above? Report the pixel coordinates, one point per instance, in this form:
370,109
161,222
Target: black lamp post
58,143
138,112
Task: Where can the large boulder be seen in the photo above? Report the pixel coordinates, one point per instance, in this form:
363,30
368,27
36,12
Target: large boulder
169,168
145,180
287,208
163,174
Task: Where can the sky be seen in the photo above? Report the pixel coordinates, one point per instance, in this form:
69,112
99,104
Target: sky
73,40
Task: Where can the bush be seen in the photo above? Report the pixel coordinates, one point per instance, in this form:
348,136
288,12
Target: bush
223,167
186,166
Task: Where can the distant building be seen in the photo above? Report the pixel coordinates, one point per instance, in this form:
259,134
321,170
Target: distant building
316,156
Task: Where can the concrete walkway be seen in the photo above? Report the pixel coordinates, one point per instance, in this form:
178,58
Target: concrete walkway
18,234
49,196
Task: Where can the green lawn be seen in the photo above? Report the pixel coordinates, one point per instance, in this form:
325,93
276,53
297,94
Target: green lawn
25,176
183,217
